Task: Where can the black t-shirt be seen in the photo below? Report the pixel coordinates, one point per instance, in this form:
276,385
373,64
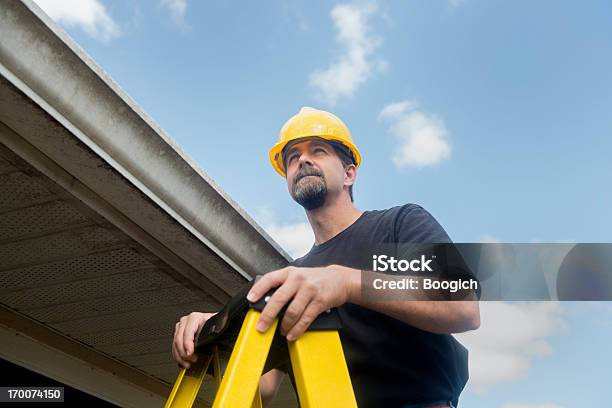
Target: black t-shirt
391,363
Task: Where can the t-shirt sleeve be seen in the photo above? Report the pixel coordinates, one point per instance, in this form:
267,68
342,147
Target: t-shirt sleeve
415,224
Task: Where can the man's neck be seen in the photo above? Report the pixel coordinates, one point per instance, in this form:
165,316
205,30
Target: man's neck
331,219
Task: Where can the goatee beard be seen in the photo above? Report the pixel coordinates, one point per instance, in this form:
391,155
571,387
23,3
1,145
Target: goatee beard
311,193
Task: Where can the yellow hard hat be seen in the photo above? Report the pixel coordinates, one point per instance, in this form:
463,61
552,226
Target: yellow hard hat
311,122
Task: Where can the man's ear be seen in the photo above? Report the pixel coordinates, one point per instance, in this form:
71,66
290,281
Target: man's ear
350,175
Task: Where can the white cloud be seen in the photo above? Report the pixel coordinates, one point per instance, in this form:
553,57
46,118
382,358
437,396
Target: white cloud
422,139
511,335
177,9
488,239
89,15
357,62
545,405
296,239
397,109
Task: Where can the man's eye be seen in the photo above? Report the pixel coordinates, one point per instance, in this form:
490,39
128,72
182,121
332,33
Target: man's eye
319,150
291,157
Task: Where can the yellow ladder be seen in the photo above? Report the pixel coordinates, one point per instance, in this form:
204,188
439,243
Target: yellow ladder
317,360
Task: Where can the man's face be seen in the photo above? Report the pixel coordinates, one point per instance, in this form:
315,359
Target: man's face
313,171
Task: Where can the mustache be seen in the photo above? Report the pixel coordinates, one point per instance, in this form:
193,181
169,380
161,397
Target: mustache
307,171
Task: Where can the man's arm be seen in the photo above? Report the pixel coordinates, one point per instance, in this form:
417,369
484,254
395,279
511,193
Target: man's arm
436,316
311,291
269,384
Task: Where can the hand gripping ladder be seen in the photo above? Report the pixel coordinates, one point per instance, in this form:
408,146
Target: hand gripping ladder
317,361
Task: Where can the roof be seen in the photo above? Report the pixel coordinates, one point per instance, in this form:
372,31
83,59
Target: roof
110,232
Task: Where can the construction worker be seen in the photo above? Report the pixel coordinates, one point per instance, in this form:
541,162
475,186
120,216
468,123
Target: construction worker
399,353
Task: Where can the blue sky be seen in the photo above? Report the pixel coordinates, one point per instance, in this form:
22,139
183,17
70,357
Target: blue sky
496,116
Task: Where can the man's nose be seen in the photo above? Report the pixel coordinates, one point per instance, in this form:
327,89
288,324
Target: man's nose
305,159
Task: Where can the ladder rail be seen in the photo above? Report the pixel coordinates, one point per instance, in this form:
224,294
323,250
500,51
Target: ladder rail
317,359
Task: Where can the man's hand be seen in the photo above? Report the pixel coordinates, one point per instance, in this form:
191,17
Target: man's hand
188,329
308,291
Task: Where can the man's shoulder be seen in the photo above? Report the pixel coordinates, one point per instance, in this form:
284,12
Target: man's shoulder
400,210
385,225
380,220
411,222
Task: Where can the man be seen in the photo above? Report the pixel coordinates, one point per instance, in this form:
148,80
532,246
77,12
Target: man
399,353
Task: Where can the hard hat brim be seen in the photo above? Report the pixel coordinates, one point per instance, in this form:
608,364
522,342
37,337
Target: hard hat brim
276,158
